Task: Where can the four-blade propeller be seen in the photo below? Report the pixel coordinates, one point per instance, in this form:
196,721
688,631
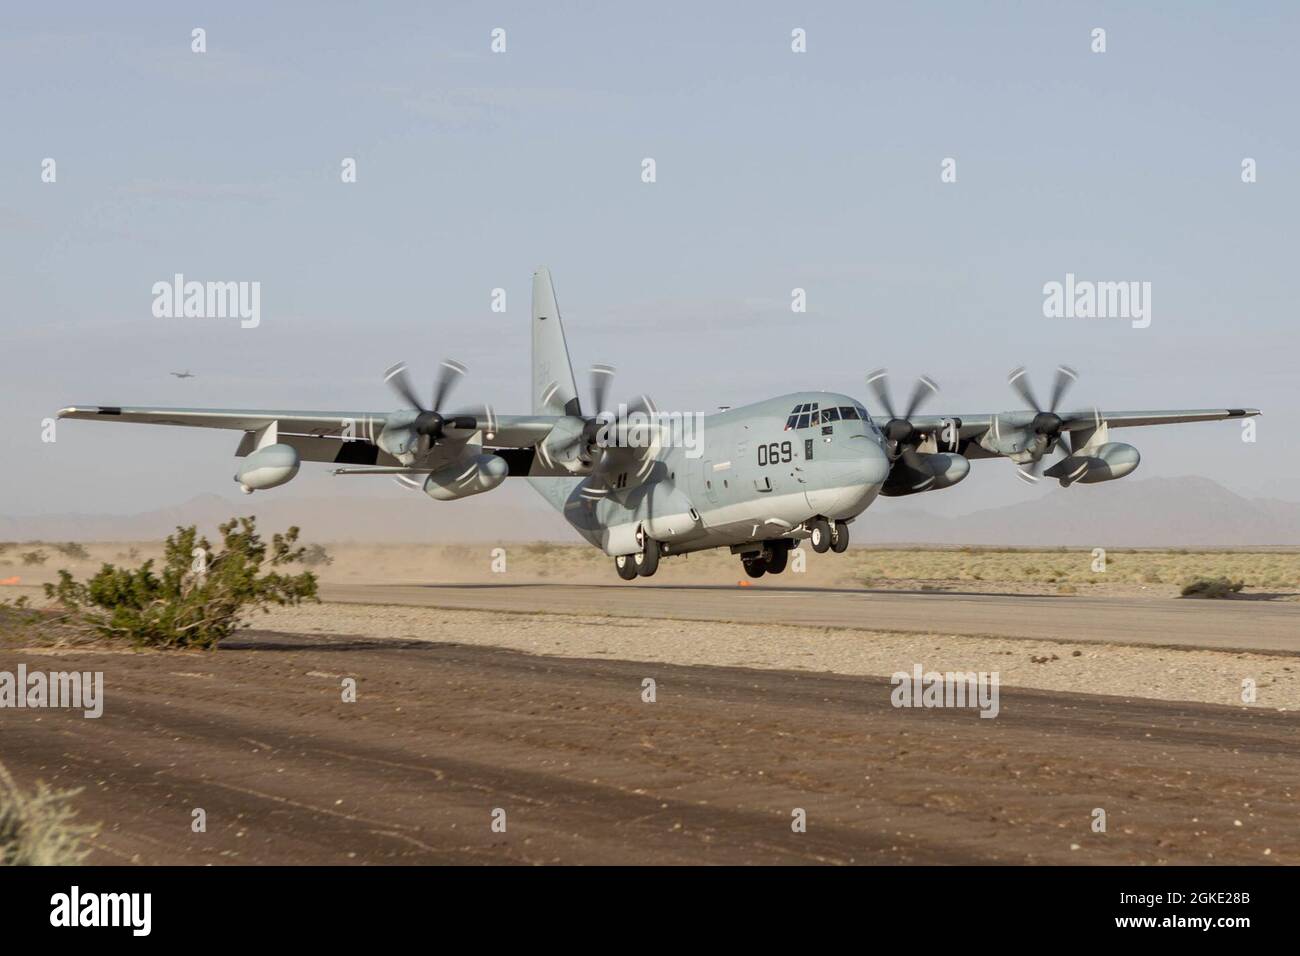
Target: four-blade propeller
1046,425
600,418
605,432
430,422
899,429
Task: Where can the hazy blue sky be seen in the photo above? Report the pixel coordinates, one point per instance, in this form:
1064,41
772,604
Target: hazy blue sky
775,170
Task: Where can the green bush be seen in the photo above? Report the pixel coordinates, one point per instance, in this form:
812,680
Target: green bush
1212,588
73,550
34,557
199,598
36,829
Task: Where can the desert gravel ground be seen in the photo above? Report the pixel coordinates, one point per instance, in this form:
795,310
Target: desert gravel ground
1091,668
441,735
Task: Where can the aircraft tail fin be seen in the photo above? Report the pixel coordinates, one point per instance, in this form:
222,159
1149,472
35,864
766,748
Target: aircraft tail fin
554,391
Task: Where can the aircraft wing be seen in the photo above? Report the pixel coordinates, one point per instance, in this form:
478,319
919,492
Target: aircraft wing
1075,420
346,437
249,420
975,425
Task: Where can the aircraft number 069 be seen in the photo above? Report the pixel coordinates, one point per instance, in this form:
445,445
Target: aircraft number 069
775,453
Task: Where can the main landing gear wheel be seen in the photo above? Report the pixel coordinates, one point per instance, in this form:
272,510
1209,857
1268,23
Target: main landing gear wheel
840,537
625,566
776,563
647,559
754,567
820,533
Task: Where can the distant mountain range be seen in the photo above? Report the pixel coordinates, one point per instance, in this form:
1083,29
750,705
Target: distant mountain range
1157,512
1173,512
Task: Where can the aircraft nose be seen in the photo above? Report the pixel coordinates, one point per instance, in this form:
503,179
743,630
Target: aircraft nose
875,464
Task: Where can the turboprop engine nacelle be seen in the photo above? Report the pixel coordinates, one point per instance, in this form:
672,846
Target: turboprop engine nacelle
267,467
466,477
1106,463
942,470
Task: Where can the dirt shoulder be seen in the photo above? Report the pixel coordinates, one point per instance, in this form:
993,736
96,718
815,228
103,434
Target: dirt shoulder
442,734
1092,668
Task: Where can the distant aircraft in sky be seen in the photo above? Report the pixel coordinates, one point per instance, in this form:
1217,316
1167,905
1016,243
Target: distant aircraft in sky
185,374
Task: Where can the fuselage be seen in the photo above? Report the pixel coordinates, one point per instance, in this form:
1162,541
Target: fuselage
754,473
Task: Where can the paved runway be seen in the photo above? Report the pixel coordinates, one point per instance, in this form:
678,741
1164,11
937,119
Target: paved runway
1254,625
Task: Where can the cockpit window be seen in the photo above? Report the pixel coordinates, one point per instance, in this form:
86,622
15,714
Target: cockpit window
866,416
810,414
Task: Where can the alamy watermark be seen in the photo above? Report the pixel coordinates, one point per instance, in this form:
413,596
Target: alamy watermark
179,299
1085,299
73,690
934,689
131,911
645,429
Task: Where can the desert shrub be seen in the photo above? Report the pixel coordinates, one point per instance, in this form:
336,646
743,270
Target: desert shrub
1212,588
199,598
73,550
314,555
34,557
36,829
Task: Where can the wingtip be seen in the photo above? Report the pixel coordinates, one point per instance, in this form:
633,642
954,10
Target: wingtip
73,411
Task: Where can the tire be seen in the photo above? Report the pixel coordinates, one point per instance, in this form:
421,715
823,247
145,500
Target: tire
647,559
755,569
820,535
626,567
840,540
776,563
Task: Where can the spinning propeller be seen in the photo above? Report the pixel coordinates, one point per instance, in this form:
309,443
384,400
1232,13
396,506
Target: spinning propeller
1046,425
591,437
601,378
430,423
899,429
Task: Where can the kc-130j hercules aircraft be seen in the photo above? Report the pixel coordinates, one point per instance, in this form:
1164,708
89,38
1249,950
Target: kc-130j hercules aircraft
756,479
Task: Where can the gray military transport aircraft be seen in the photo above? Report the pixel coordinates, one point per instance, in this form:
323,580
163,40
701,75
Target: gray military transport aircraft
638,484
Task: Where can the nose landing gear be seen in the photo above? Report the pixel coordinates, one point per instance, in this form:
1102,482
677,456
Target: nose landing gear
819,535
839,537
824,536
